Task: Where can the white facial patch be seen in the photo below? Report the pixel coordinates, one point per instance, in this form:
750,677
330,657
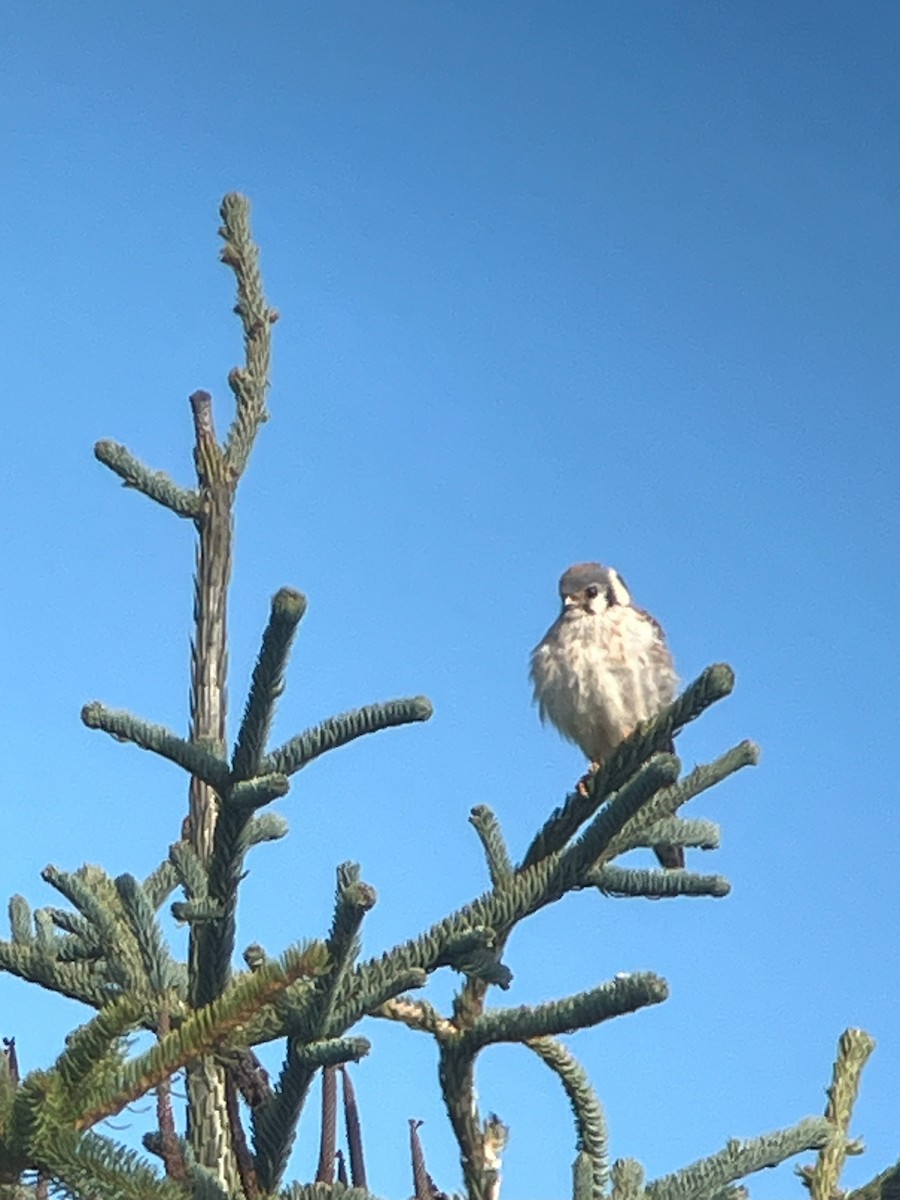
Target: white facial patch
619,592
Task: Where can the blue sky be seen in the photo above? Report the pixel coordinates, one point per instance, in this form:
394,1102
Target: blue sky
557,282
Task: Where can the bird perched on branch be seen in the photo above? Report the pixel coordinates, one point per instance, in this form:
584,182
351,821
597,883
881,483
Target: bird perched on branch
602,667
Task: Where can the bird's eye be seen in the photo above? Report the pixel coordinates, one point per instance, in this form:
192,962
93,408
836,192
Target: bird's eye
592,592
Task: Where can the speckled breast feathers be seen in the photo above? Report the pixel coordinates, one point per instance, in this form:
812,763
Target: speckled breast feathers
603,666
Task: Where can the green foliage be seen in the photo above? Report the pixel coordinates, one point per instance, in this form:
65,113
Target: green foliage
108,949
591,1170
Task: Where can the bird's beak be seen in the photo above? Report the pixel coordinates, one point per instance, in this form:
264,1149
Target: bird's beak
570,601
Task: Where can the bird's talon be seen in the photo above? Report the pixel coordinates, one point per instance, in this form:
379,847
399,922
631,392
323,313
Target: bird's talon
585,780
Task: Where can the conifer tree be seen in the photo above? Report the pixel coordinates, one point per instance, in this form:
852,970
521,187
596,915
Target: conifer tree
106,949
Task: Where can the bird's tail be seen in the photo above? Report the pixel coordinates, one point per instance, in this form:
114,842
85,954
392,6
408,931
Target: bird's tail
671,857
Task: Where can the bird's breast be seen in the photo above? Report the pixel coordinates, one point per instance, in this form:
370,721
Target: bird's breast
597,677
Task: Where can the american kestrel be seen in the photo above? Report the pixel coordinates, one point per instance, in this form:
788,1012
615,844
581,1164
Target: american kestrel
602,667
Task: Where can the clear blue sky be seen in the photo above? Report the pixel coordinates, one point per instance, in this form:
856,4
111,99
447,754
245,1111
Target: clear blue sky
557,281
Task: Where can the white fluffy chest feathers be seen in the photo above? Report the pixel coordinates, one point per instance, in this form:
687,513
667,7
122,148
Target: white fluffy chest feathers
597,675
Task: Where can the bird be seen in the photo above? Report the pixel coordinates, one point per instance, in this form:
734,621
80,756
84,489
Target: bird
602,667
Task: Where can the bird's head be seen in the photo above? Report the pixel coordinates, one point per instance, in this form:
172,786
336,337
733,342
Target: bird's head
591,588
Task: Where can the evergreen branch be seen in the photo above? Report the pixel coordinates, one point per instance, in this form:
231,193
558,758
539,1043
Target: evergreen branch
267,684
299,963
488,829
69,922
94,894
707,775
77,980
649,738
456,1072
314,1019
498,910
155,484
48,944
236,829
627,1178
590,1121
476,952
194,757
91,891
697,833
82,944
642,833
35,1104
624,994
89,1045
326,1191
465,942
161,883
363,992
20,921
621,808
204,1183
739,1159
259,791
713,684
158,963
854,1049
94,1166
583,1178
190,871
418,1015
339,730
248,383
215,940
80,1165
331,1053
274,1123
287,1015
204,1030
196,912
266,827
885,1186
353,899
668,801
625,881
